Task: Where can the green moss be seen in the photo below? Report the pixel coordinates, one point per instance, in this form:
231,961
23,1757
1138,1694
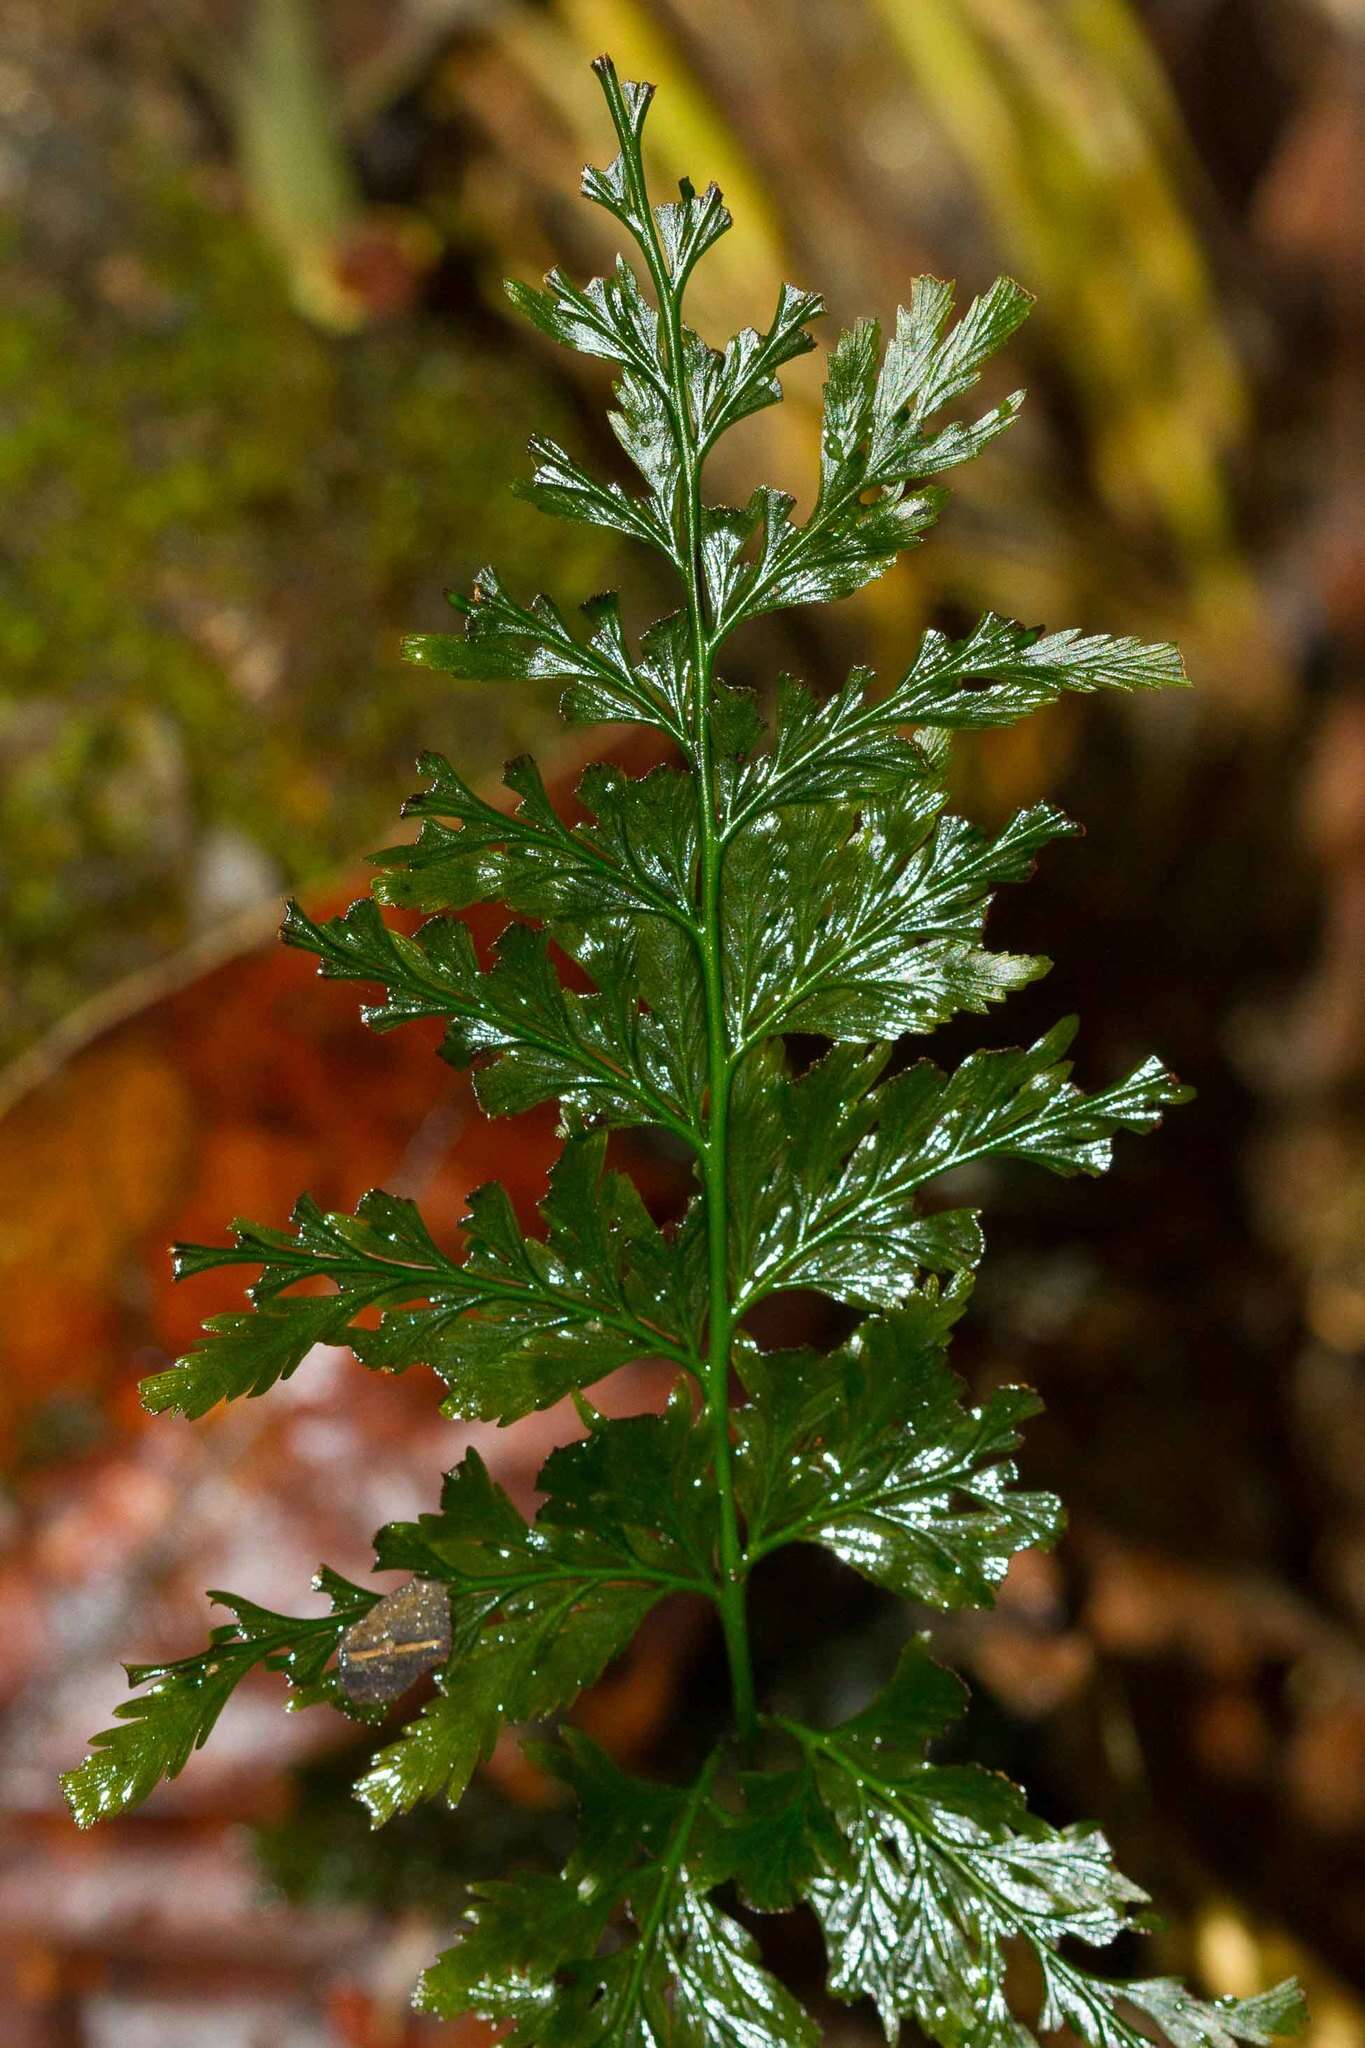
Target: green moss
215,520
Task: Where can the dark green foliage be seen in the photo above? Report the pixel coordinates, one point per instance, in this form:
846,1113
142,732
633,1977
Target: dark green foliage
516,1325
322,1848
945,1866
871,1452
804,880
839,1211
539,1610
158,1732
685,1972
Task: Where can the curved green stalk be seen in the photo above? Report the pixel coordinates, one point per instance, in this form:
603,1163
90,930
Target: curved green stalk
708,940
668,1876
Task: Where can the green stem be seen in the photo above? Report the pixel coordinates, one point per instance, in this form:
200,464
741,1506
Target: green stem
579,1575
720,1323
708,938
663,1891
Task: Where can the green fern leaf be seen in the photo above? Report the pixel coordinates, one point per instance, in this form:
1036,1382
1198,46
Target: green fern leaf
157,1733
685,1974
514,1327
677,939
872,1454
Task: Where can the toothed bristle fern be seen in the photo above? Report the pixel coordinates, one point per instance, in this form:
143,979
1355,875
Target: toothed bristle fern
799,880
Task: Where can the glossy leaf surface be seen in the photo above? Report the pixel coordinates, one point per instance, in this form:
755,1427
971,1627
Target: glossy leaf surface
828,1165
950,1869
538,1609
158,1732
864,926
680,1971
872,1453
725,949
514,1326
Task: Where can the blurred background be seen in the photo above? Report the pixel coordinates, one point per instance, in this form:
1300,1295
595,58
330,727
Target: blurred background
260,400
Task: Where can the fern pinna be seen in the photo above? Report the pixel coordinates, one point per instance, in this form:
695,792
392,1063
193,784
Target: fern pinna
799,880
